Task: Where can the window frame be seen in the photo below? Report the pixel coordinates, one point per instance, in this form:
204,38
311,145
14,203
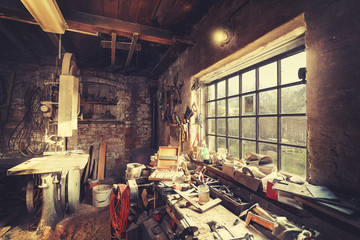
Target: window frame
257,114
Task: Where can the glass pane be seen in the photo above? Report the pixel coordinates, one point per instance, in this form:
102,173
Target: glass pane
233,86
233,127
248,128
211,92
211,109
211,126
269,150
293,130
293,160
290,67
221,142
248,104
221,88
221,108
221,126
268,76
293,99
234,147
233,106
268,102
248,81
248,146
268,128
211,140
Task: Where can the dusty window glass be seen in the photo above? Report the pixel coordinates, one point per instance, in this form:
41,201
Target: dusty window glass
248,146
269,150
211,109
211,126
233,85
221,108
221,89
211,92
268,75
221,142
248,127
268,128
290,67
221,126
248,102
233,106
233,147
249,119
211,143
293,130
233,124
293,160
248,81
293,99
268,102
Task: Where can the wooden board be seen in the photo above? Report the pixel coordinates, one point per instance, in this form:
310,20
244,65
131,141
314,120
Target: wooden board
202,208
48,164
102,157
95,157
355,223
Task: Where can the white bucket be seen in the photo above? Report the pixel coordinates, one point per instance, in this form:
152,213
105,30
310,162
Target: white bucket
101,195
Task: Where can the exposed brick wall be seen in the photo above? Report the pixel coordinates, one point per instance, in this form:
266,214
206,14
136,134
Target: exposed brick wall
131,128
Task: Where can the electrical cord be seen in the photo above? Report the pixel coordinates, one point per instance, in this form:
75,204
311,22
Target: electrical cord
28,136
119,210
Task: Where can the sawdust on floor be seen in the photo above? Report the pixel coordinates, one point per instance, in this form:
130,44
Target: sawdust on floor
87,222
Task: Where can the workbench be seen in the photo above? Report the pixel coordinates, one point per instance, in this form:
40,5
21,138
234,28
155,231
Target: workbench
219,214
60,184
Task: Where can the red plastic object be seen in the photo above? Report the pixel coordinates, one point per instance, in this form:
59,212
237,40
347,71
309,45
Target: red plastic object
270,192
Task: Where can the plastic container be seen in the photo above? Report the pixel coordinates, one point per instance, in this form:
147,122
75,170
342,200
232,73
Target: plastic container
101,195
204,194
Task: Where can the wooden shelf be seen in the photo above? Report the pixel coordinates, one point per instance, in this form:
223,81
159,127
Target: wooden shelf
97,103
88,121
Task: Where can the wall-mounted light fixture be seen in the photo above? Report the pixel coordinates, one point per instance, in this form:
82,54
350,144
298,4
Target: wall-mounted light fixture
223,35
47,14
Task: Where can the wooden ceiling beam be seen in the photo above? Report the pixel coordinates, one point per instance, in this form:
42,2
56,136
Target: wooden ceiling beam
120,45
131,51
113,49
94,23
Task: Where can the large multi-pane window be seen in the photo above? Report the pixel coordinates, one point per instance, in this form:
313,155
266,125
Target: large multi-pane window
261,109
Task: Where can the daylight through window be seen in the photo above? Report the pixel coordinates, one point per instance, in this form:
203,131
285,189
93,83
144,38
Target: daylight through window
261,109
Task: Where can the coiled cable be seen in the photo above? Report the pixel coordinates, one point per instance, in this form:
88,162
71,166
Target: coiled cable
28,136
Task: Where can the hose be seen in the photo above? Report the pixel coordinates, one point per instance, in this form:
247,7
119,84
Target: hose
119,210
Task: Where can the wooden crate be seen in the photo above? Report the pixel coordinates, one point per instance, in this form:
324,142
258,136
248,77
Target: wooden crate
167,157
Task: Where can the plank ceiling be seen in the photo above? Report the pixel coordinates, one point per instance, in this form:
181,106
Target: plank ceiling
164,30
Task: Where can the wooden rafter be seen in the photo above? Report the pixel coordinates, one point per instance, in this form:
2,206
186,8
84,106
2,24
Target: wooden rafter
131,51
113,49
90,23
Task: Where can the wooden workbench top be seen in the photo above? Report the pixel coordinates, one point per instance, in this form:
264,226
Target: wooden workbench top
49,164
220,215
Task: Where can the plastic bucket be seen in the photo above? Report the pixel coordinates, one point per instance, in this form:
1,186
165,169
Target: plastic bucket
101,195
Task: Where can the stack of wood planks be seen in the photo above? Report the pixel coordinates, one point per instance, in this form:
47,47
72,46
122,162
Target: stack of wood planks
95,169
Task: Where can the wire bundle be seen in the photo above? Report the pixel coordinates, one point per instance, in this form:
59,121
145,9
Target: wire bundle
119,210
28,136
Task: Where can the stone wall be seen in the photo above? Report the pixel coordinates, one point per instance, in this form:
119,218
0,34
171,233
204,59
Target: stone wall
332,47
